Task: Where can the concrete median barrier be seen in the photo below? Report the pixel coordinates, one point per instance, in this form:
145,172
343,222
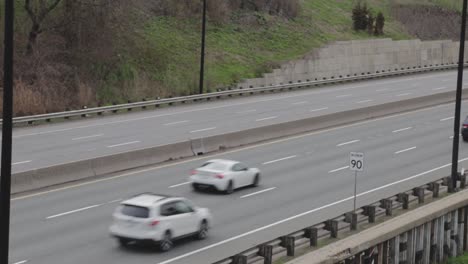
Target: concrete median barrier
84,169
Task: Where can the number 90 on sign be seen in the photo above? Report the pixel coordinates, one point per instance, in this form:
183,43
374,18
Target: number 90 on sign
356,161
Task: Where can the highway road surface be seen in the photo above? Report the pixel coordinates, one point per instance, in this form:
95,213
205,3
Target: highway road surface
46,145
305,181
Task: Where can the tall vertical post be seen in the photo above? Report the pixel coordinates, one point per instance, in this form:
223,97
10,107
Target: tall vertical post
355,190
456,126
5,182
202,56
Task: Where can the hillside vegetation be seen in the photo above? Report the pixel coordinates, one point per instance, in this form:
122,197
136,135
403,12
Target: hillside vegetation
98,52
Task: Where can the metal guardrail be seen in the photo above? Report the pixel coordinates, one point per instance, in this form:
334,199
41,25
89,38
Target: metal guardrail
240,91
316,235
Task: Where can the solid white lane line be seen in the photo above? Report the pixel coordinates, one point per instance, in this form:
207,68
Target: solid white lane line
404,150
180,184
447,118
115,201
74,211
319,109
21,162
301,215
201,130
347,143
266,118
247,111
259,192
176,123
440,88
299,103
403,129
277,160
339,169
21,262
123,144
86,137
364,101
382,90
403,94
343,95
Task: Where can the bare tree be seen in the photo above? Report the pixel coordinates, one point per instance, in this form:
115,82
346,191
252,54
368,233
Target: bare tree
37,13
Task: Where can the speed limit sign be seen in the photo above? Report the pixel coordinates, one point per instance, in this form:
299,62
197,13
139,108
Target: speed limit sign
356,161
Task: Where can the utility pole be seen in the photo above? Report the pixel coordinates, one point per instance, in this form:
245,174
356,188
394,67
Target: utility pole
7,126
456,127
202,57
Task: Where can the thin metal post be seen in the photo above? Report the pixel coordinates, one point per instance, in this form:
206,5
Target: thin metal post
456,127
355,190
5,182
202,57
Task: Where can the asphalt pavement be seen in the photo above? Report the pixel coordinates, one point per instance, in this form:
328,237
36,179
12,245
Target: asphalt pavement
305,180
45,145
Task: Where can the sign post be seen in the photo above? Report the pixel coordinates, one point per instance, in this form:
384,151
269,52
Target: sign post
356,163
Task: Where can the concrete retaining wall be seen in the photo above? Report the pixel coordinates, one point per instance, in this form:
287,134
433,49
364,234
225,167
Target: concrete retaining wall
357,57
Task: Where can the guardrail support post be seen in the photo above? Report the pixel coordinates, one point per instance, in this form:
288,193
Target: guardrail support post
462,178
332,226
266,251
312,234
289,243
354,221
239,259
419,192
369,211
387,204
434,187
403,198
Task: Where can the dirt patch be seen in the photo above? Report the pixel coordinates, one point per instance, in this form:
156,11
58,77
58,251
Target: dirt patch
428,22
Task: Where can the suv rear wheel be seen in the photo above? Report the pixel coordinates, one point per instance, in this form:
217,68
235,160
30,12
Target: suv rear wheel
166,243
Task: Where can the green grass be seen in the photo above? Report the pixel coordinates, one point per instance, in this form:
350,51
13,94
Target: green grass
170,47
459,260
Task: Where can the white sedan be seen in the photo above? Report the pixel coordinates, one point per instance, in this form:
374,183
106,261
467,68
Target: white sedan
224,175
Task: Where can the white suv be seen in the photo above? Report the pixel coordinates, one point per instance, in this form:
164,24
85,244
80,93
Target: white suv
159,218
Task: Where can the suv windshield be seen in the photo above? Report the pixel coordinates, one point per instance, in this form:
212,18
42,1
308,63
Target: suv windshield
135,211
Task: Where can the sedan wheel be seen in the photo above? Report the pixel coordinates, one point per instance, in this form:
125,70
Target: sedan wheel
123,242
230,188
166,243
256,180
203,232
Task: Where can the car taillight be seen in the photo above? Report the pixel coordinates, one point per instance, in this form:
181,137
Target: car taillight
465,126
193,172
154,223
219,176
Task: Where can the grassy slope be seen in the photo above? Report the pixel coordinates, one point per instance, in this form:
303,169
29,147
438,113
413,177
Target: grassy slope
170,48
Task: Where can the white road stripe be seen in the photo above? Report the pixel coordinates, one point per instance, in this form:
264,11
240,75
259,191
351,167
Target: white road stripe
21,162
247,111
259,192
439,88
114,201
319,109
403,129
176,123
302,214
403,94
447,118
74,211
339,169
21,262
347,143
123,144
299,103
201,130
343,95
266,118
273,161
405,150
86,137
364,101
180,184
381,90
